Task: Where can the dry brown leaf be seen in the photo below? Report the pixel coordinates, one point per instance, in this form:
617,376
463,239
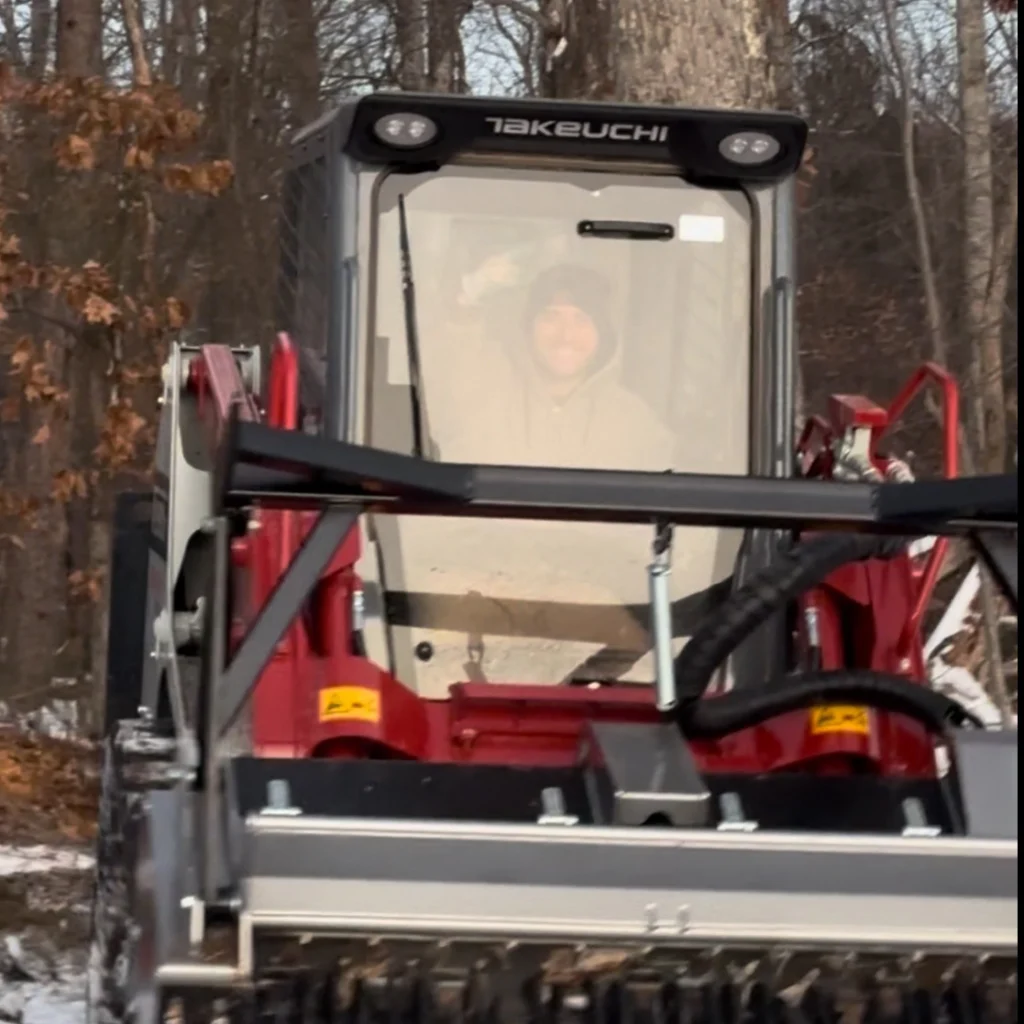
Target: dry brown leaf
200,180
42,435
97,310
177,313
139,158
221,174
68,484
85,585
22,354
76,153
177,178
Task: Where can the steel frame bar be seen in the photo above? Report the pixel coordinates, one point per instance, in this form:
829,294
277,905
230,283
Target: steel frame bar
239,677
380,877
228,683
288,468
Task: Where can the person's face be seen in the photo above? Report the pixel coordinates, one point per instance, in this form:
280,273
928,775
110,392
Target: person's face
564,339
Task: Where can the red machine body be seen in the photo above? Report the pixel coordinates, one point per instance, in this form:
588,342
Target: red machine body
317,698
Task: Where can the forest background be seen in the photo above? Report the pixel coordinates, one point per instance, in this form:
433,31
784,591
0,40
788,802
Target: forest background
141,152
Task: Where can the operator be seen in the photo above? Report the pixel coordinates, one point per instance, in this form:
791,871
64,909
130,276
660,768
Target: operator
564,405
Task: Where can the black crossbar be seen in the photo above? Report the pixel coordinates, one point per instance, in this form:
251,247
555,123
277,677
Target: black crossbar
287,468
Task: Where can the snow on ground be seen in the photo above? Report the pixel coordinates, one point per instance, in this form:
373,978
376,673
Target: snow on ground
60,1002
961,684
43,909
21,860
58,720
954,680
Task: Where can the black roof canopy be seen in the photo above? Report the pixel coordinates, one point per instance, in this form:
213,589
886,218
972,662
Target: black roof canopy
693,143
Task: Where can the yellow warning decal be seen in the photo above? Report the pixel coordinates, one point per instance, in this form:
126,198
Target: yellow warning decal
840,718
349,704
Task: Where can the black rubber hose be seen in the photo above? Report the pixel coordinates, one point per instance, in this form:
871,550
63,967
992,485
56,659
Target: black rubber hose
796,571
741,709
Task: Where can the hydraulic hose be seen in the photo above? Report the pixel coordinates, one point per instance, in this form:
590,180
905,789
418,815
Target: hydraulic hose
741,709
804,566
796,571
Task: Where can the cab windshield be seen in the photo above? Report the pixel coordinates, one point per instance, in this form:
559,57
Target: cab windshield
589,320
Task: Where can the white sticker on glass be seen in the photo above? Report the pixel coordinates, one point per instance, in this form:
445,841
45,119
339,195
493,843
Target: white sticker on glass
695,227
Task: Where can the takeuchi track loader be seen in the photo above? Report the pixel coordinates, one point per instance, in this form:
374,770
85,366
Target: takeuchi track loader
492,649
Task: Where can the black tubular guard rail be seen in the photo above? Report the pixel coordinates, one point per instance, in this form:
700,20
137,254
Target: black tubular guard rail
264,465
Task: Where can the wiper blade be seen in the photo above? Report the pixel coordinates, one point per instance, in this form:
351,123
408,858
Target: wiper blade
412,337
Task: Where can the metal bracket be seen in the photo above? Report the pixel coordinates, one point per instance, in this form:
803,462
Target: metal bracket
917,821
640,773
279,800
552,800
733,817
238,678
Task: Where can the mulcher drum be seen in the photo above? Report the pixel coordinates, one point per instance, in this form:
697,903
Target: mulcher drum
335,998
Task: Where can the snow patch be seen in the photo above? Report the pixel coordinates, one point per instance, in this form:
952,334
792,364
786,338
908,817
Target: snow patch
60,1002
57,720
956,617
22,860
961,684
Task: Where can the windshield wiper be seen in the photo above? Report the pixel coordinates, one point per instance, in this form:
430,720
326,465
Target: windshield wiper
412,338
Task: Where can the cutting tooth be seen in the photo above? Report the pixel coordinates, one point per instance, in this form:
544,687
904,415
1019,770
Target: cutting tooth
404,992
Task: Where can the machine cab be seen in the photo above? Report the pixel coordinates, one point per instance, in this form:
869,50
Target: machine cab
534,283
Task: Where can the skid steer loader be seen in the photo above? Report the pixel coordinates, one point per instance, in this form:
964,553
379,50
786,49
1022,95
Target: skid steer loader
492,649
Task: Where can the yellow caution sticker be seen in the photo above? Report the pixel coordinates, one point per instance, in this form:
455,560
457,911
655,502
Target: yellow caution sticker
840,718
349,704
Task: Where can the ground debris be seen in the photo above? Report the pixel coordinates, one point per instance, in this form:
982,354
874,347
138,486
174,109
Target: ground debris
49,790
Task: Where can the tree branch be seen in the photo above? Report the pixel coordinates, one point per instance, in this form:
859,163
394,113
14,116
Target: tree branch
137,43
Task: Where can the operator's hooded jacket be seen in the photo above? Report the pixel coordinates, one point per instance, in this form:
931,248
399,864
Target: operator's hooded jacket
598,425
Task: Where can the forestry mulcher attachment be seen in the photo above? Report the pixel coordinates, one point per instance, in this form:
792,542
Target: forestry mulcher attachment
492,649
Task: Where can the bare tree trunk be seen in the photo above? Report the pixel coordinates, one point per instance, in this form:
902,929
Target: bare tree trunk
79,38
446,59
935,313
988,400
41,24
411,44
578,52
929,281
985,282
9,44
40,647
136,43
304,53
179,31
699,53
223,118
